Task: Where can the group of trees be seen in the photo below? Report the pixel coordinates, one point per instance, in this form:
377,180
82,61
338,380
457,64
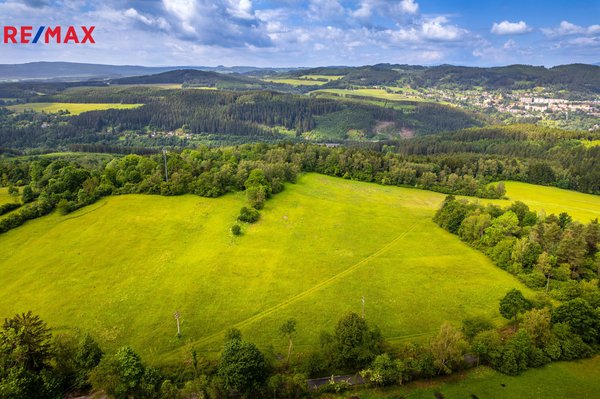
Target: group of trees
547,252
33,363
260,169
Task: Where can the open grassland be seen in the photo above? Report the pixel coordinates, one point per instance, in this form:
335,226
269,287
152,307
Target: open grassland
577,379
121,267
295,82
5,198
591,143
322,77
73,108
581,206
375,93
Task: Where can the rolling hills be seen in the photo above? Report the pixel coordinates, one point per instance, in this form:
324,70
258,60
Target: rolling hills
120,268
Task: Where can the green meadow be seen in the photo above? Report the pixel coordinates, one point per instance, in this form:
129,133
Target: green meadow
375,93
576,379
73,108
121,267
295,82
581,206
5,198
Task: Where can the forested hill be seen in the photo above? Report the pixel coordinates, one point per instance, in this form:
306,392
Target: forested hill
574,77
190,76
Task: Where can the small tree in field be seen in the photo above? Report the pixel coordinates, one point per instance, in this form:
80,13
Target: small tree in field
288,329
513,304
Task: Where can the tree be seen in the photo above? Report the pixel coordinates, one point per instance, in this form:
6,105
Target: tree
248,215
28,195
233,333
288,329
581,317
448,348
353,344
513,304
87,356
384,371
545,264
537,324
120,375
242,366
503,226
25,342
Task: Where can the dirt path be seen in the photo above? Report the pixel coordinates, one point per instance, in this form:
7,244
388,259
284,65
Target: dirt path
297,297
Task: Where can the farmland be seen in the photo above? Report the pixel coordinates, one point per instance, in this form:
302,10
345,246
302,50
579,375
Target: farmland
73,108
127,263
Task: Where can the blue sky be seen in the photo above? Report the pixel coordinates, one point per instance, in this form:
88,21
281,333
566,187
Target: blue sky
313,33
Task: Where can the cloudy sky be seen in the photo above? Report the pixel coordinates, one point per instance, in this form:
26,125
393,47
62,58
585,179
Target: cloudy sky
314,32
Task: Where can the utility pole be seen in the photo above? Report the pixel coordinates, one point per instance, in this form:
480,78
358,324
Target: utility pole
363,307
177,318
164,151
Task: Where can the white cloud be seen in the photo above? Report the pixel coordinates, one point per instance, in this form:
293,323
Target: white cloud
438,29
409,6
566,28
509,45
510,28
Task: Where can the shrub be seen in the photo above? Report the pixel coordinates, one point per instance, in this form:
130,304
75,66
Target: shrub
236,230
248,215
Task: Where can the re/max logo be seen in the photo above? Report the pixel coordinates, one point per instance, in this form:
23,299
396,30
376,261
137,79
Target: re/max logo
48,34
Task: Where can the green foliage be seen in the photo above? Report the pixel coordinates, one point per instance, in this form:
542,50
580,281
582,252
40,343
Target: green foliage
513,304
25,342
472,326
242,366
236,230
353,344
292,386
448,348
581,318
120,375
384,371
248,215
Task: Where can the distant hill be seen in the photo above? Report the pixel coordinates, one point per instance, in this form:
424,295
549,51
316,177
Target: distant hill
72,71
191,77
573,77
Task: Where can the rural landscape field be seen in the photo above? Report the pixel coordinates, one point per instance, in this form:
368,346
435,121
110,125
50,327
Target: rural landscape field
339,200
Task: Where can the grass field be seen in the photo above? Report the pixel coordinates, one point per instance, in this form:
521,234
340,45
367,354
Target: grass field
376,93
5,198
591,143
295,82
121,267
582,207
326,77
577,379
73,108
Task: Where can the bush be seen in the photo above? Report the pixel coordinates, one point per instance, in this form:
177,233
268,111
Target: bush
236,230
476,324
248,215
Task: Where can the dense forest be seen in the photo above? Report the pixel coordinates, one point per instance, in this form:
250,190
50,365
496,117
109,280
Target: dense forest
180,117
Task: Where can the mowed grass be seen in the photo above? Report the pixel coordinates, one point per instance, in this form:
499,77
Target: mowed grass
73,108
582,207
121,267
577,379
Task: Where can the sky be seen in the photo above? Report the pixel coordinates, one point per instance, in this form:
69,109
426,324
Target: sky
312,33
